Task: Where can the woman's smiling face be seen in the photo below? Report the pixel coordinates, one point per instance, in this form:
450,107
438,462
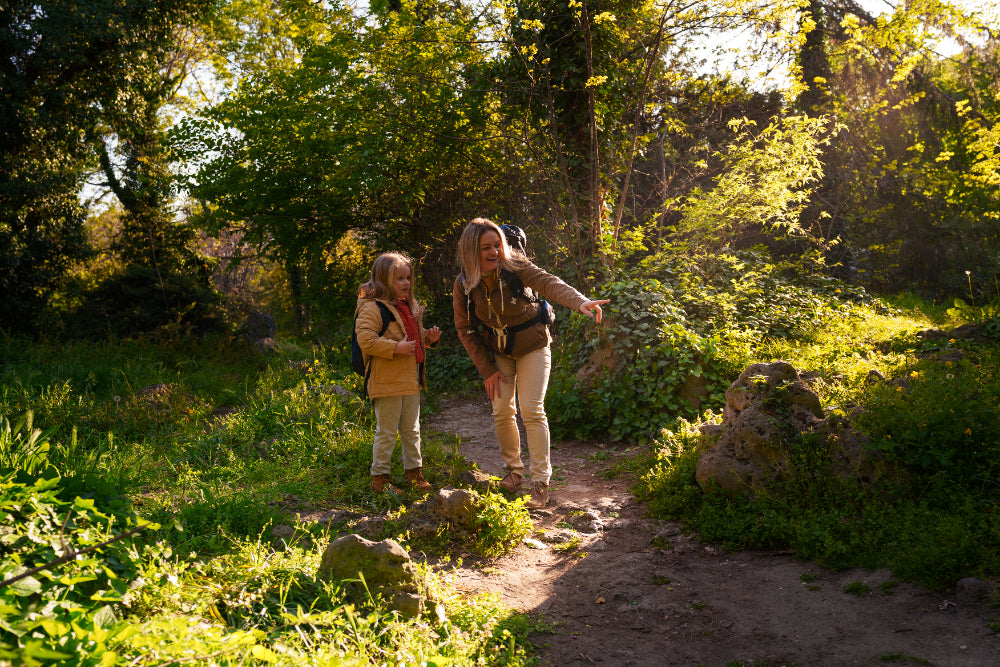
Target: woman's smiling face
490,247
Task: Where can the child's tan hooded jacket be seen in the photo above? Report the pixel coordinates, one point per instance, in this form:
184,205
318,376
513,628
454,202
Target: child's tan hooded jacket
390,374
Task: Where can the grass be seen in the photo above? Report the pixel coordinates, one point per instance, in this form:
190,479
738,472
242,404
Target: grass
218,445
934,522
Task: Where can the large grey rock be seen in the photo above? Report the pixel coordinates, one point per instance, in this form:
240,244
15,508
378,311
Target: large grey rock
767,408
385,567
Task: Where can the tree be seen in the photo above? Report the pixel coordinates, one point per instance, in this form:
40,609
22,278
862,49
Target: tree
376,129
58,61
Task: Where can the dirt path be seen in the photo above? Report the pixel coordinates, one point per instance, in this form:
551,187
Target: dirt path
638,591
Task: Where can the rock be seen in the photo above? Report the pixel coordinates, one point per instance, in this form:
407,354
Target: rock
560,536
282,533
457,506
385,567
602,359
370,526
476,479
971,589
767,408
973,332
694,391
587,522
265,346
257,326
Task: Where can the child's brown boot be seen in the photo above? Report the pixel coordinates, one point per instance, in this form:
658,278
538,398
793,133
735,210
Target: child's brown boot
416,479
382,483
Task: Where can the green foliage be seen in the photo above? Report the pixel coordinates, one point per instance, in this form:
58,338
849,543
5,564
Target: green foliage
934,524
943,420
143,300
765,183
500,524
65,606
73,67
675,339
987,316
858,588
285,442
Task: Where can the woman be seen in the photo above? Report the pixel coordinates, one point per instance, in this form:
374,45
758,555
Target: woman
505,330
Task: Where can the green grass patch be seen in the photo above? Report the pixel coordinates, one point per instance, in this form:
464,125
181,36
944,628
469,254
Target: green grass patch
217,445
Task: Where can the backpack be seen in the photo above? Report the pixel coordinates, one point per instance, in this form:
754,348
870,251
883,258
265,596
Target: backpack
357,358
516,239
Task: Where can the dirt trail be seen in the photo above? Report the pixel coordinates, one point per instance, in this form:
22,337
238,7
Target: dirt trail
645,593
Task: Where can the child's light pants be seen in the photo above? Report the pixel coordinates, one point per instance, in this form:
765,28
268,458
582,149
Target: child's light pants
528,378
396,414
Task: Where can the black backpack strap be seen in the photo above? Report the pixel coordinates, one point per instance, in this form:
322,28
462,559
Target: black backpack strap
542,317
386,317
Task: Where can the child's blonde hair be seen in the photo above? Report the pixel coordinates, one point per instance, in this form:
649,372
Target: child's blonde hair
379,285
468,251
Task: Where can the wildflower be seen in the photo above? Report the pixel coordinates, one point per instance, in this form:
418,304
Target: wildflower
952,341
888,437
914,374
948,364
968,431
899,389
950,376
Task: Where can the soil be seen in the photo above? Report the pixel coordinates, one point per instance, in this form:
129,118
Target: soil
640,591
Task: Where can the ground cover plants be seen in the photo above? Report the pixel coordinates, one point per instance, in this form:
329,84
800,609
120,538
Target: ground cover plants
139,482
935,420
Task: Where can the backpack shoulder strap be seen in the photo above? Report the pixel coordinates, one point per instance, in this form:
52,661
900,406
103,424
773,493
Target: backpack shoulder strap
517,286
386,317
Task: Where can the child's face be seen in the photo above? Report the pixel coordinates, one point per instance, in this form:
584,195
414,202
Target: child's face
401,281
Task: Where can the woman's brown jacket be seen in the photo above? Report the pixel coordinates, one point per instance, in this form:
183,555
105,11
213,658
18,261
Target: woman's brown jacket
390,374
502,309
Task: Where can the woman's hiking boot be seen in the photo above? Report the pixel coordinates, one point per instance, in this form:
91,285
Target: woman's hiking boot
382,483
539,496
511,482
416,479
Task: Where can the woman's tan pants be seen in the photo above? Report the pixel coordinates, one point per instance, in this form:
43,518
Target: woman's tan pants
528,378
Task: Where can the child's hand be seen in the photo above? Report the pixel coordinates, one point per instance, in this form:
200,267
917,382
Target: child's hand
433,335
406,347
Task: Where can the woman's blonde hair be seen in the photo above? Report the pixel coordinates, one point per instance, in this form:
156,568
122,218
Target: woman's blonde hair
379,285
468,251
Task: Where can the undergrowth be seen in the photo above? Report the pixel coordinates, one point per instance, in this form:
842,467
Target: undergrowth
206,446
935,419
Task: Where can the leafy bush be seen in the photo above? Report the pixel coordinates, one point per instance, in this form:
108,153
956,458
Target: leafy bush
500,524
941,419
142,300
676,338
66,561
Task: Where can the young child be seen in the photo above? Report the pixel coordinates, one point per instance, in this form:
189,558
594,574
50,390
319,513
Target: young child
396,371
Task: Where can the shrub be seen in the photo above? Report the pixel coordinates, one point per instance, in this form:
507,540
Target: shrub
73,557
141,300
678,336
941,418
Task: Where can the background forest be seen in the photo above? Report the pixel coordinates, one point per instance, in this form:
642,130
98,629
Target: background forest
813,180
